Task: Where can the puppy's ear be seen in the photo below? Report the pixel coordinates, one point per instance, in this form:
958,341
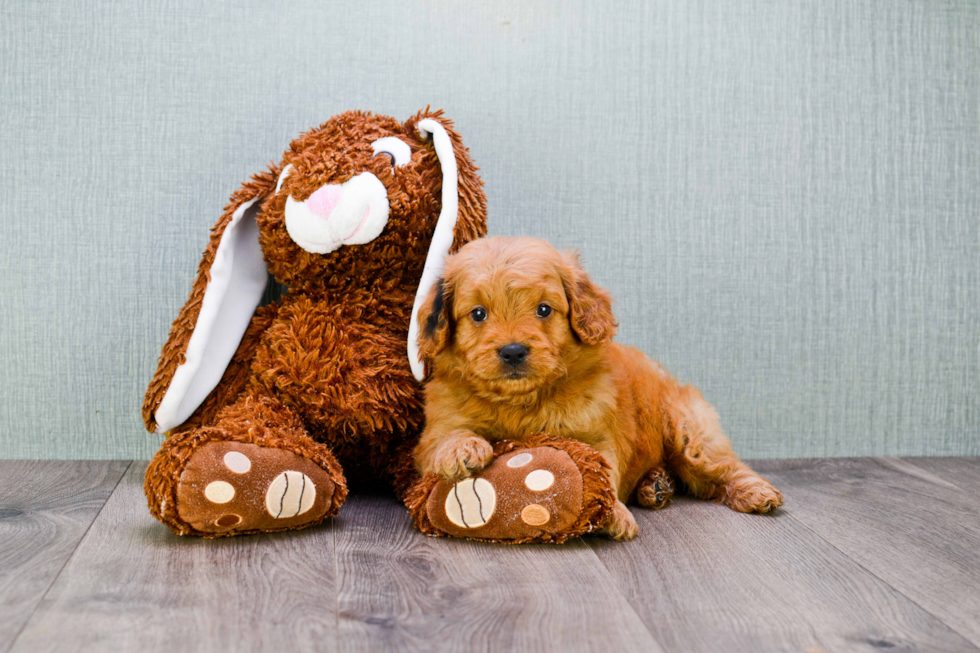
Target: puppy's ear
435,320
589,306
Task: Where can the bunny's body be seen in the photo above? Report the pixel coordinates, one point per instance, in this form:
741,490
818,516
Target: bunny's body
268,408
360,398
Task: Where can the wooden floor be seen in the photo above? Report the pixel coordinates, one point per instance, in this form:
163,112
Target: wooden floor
869,554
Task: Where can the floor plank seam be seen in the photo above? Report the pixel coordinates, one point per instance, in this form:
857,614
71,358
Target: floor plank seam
931,476
626,599
881,580
54,581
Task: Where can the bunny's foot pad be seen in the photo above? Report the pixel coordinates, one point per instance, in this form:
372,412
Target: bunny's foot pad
527,494
227,488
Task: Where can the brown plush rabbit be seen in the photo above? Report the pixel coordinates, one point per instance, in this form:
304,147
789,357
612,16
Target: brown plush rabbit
265,406
269,407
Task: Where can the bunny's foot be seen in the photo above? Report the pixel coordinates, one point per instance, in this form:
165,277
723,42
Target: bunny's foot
218,481
544,489
230,487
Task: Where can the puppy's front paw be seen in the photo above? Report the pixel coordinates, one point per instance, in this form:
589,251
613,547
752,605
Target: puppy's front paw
460,457
620,524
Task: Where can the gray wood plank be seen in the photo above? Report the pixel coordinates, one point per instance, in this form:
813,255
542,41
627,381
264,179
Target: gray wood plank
45,509
910,528
134,586
400,591
961,473
704,578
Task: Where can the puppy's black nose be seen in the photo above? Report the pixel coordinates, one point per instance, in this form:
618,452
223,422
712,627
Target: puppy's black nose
513,354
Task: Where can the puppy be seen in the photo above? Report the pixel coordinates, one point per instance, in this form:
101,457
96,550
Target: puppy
519,340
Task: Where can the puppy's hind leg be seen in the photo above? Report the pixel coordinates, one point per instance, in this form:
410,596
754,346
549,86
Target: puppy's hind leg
702,457
655,489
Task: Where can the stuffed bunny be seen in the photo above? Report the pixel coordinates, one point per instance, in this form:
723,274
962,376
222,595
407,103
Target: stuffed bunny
271,410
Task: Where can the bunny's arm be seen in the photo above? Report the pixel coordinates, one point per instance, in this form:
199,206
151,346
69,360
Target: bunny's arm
236,377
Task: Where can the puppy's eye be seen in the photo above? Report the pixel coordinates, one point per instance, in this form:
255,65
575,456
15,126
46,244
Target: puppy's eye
397,150
478,314
543,310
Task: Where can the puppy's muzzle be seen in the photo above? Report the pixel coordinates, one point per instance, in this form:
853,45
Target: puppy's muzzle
513,354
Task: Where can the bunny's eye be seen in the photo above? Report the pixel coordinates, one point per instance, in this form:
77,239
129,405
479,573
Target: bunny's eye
396,148
282,176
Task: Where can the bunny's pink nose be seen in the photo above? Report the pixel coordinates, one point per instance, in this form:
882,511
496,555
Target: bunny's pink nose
324,200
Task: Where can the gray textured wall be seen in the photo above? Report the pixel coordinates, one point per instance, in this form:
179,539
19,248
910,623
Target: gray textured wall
784,196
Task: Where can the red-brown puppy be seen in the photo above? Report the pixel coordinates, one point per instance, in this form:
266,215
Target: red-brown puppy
519,341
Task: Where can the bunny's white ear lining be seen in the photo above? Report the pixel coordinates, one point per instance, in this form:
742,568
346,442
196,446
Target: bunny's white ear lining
442,237
238,279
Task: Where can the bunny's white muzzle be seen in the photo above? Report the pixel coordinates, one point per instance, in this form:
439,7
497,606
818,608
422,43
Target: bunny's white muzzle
352,213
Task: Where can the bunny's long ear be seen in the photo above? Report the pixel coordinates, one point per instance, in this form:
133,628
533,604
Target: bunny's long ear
230,282
463,217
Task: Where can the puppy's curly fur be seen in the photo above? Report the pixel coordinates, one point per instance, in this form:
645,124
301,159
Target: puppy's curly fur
572,381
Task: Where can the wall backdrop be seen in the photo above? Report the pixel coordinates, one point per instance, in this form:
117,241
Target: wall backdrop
783,196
